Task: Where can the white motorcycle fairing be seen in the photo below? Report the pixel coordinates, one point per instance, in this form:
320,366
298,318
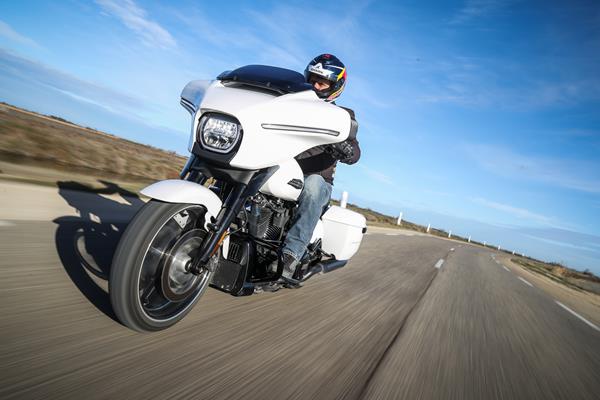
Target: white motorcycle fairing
275,128
290,123
286,183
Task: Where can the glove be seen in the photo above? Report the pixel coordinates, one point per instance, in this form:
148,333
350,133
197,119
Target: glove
342,151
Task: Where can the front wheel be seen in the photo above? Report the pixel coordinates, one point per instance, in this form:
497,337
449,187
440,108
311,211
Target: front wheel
150,288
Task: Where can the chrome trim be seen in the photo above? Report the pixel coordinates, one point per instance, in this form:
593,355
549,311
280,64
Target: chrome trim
194,91
295,128
187,105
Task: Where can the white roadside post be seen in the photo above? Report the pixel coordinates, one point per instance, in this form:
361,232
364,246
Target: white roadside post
498,247
484,242
449,234
428,227
469,240
344,200
399,219
513,253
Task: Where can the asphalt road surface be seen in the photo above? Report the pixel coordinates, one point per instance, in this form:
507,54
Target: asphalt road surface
410,317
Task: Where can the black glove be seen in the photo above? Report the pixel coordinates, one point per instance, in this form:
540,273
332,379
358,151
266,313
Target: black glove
342,151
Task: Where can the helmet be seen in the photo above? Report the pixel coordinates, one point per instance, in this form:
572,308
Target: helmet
329,67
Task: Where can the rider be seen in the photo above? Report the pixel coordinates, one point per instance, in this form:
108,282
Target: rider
327,74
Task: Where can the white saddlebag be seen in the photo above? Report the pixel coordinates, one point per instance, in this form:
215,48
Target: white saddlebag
343,232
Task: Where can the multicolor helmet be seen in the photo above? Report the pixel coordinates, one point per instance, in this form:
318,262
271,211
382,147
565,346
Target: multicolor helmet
329,67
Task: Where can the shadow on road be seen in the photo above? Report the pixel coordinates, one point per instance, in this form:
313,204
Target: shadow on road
86,244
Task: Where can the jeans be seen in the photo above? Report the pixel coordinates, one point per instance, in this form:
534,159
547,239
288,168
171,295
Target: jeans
313,198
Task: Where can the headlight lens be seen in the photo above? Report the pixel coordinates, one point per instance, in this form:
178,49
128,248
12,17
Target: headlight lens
218,132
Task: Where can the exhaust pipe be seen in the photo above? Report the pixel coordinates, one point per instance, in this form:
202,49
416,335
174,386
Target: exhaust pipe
323,267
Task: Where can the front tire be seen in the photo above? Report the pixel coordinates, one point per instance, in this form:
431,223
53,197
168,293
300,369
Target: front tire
150,288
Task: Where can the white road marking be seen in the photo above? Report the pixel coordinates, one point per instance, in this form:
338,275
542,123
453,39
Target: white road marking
506,268
438,264
6,223
525,282
391,234
577,315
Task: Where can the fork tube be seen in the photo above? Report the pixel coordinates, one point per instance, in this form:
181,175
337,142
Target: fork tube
235,200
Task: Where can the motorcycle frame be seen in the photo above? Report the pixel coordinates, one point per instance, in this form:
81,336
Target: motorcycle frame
248,184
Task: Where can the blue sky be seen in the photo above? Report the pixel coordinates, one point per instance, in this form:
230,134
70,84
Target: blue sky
480,117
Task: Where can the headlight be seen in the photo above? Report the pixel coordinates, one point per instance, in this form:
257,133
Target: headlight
218,132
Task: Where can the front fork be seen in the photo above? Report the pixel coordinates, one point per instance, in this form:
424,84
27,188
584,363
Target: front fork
217,230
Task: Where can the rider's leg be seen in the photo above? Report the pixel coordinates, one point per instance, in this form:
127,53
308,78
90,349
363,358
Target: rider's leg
315,195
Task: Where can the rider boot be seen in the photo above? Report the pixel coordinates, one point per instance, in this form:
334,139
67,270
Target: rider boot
288,265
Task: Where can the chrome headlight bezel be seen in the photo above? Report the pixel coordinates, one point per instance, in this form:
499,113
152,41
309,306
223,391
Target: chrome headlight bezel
206,127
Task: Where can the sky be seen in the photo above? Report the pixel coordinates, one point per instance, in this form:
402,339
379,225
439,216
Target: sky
478,116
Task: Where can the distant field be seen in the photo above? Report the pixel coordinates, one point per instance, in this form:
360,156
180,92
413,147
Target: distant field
30,142
46,149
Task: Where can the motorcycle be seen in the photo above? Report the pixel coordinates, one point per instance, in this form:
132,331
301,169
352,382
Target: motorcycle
222,223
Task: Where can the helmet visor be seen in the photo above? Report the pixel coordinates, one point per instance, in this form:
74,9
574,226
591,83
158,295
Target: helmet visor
320,85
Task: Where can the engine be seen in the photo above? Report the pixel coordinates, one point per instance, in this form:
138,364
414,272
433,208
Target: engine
267,218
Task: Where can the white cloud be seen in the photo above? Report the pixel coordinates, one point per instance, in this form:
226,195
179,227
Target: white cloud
476,9
509,84
581,175
521,213
67,84
279,36
84,99
363,92
562,244
135,18
8,32
378,176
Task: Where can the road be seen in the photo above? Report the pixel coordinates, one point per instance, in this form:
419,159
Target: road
410,317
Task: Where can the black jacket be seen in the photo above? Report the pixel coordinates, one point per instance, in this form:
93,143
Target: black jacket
318,161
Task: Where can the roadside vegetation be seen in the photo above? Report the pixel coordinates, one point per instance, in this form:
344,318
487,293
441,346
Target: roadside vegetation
559,273
31,145
33,140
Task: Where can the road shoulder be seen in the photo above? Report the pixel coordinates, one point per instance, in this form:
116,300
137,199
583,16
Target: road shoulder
585,303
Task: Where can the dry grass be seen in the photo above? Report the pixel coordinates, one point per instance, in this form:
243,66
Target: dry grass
561,274
26,138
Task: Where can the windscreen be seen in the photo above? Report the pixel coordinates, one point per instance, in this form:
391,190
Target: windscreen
276,79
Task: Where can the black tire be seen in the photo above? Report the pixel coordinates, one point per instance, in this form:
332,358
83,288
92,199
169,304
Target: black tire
150,251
